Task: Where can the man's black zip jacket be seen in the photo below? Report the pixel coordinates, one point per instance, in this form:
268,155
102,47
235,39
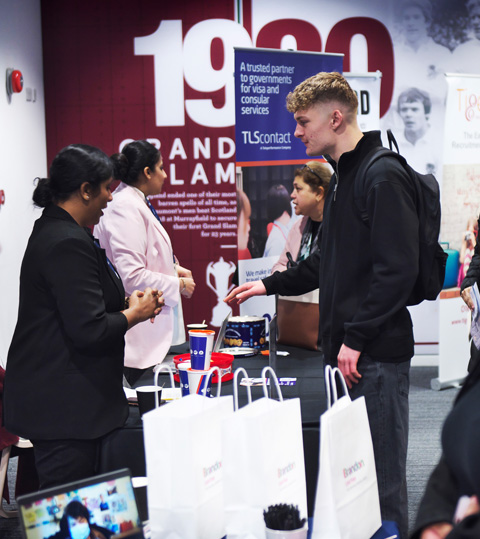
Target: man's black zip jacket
365,271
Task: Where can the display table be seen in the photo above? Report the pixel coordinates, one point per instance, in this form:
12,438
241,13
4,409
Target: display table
124,447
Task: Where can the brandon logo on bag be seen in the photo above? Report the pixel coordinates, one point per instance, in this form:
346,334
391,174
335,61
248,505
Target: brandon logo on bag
211,474
284,474
351,473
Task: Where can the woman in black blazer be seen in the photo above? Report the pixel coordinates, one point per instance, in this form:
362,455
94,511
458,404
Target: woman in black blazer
63,383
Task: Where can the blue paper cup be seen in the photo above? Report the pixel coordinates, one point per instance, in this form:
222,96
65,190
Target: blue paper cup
183,367
197,382
201,346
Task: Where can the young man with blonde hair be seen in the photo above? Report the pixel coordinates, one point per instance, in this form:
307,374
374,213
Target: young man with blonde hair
365,272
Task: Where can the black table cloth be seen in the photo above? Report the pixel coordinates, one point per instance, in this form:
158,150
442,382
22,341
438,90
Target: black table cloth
124,447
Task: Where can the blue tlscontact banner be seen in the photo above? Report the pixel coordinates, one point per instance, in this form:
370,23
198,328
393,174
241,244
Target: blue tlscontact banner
263,126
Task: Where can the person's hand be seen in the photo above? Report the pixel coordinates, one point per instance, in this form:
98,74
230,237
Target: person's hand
441,529
160,304
245,291
467,297
143,306
184,272
473,507
466,506
436,531
187,286
347,363
148,303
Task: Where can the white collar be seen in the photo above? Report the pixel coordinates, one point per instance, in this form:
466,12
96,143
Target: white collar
141,194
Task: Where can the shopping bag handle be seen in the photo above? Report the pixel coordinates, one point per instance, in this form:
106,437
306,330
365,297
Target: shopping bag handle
219,383
333,373
235,388
158,369
331,386
275,379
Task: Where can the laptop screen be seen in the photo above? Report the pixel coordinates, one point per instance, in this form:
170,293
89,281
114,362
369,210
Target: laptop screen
104,505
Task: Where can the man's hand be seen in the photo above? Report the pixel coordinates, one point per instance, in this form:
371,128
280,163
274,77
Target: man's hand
347,363
466,506
473,507
467,297
245,291
436,531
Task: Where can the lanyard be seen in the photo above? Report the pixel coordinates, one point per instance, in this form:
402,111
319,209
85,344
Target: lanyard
110,265
157,217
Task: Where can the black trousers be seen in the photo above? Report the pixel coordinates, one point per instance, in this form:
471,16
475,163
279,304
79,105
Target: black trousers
63,461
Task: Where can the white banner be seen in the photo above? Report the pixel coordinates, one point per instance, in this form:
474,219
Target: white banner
460,208
461,173
462,120
367,88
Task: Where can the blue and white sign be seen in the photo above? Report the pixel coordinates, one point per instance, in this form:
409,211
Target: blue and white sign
263,78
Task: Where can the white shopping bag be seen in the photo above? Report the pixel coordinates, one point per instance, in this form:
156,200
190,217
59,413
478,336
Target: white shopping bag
263,462
346,504
183,450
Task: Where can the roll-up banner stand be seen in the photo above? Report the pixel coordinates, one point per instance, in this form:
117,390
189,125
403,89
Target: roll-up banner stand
367,88
267,151
460,209
263,126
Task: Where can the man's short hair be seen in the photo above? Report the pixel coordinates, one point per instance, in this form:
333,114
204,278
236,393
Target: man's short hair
414,94
322,88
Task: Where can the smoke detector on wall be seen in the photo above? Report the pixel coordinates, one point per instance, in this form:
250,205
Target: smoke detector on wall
14,81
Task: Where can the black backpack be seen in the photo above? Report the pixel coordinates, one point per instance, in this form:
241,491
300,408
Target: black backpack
432,258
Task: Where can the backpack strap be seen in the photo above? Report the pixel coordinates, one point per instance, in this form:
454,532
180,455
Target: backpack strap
360,178
391,141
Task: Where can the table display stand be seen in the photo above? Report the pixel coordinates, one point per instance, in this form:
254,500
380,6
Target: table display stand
454,346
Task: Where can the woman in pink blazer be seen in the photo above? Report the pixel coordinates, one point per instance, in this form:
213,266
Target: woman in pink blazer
136,242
